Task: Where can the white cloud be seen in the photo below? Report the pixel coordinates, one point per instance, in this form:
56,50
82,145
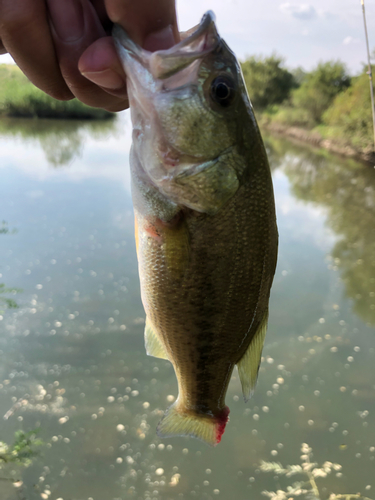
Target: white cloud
302,11
349,40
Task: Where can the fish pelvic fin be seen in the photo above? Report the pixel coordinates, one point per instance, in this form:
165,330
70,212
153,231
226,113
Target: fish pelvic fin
153,344
248,366
203,426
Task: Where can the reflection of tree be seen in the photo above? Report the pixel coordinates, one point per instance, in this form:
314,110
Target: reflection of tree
347,189
61,148
61,140
276,149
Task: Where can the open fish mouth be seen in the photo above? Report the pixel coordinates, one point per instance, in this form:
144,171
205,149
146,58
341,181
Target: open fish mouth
149,74
195,44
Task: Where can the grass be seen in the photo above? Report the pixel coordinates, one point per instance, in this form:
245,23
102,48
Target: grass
19,98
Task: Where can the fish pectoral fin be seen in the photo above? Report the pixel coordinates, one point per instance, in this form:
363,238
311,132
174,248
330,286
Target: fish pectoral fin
153,345
248,366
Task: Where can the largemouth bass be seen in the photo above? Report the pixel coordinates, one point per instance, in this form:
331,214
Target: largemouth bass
205,223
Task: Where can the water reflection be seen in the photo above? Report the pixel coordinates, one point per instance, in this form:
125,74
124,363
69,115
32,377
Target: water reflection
73,352
346,189
61,140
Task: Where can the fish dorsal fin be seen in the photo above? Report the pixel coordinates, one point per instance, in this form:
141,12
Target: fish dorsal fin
153,345
248,366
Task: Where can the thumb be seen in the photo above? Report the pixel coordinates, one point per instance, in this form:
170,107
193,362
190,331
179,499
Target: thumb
151,24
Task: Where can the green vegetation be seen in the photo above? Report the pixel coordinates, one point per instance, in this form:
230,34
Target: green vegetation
350,114
267,81
310,471
318,90
325,100
19,98
9,303
22,451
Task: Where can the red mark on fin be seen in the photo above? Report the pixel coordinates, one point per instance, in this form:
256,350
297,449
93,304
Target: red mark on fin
157,228
222,420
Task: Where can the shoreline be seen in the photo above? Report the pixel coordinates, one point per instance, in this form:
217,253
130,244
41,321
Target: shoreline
315,139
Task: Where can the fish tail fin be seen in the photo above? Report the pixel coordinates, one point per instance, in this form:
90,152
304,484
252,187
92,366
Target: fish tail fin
182,422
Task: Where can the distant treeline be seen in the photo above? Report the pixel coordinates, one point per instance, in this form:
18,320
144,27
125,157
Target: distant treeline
19,98
326,99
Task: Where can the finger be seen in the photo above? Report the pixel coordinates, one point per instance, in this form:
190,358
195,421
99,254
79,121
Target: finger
101,65
75,26
144,20
103,16
3,50
25,34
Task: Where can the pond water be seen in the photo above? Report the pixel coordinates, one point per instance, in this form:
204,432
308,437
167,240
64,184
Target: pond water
73,351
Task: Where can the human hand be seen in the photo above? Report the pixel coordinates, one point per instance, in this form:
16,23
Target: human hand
63,46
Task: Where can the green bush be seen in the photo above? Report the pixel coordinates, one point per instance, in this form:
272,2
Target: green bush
299,117
350,114
267,81
19,98
320,88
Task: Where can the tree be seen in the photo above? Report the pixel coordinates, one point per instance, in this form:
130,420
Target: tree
320,88
299,75
351,114
267,81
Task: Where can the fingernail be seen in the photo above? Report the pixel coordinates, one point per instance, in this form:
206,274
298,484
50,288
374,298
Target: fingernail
67,19
107,78
159,40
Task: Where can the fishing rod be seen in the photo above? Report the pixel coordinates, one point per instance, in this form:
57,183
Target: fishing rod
369,72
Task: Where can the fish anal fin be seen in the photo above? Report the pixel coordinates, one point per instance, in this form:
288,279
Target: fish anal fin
206,427
153,345
248,366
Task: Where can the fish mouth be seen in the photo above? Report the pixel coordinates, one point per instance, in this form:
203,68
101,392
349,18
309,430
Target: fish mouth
152,73
195,44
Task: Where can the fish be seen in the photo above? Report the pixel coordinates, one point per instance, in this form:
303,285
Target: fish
205,223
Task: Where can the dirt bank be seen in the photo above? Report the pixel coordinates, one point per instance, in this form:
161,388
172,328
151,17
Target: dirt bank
314,138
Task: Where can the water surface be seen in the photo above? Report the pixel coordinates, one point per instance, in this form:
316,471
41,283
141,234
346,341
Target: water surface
74,348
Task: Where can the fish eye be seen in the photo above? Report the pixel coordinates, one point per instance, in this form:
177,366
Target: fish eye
222,90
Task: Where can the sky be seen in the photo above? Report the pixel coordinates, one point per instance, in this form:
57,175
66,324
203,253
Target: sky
304,33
